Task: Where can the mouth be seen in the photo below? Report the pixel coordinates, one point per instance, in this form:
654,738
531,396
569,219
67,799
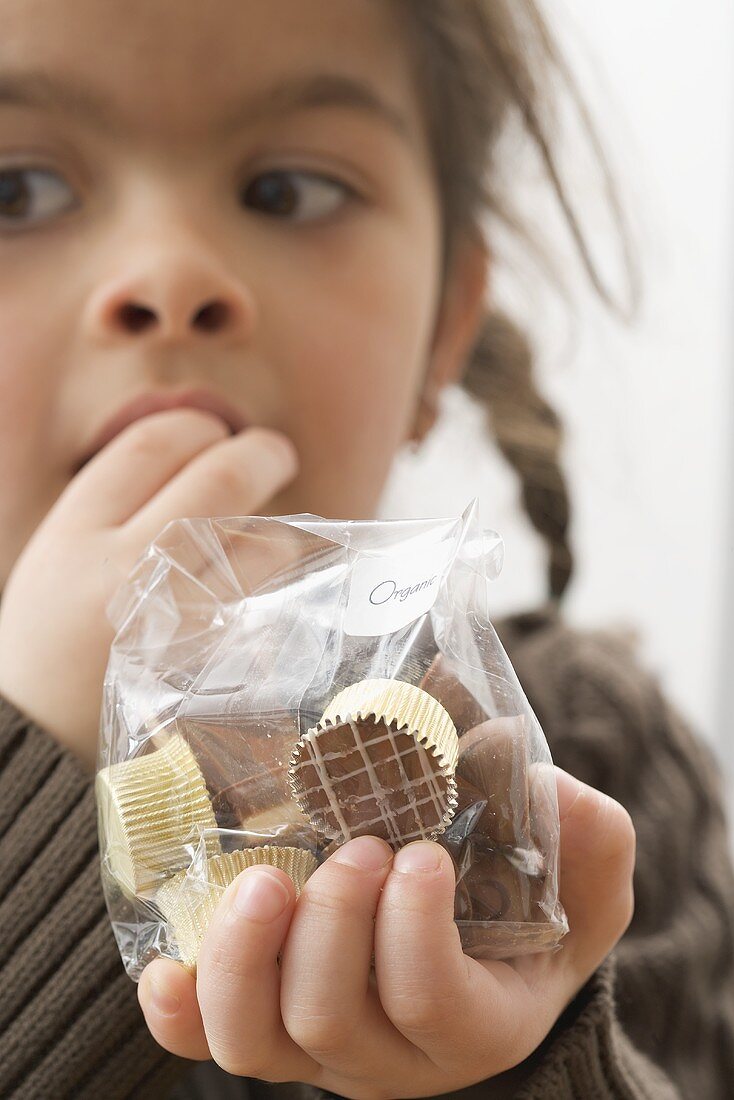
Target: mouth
146,404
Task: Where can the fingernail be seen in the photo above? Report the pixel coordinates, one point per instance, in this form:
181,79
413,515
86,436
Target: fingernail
165,1003
366,853
260,896
422,855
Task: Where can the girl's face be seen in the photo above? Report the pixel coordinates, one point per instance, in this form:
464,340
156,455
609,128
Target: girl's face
234,197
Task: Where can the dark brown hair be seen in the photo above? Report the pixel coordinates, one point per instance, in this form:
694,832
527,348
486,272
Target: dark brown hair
482,65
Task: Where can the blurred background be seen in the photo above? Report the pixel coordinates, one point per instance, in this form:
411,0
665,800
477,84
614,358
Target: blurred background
648,408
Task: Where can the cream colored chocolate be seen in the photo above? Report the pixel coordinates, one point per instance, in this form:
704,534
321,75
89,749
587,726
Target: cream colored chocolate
188,903
381,760
152,809
283,825
284,815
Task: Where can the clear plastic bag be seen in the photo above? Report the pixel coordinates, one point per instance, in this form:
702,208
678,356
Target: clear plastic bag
279,684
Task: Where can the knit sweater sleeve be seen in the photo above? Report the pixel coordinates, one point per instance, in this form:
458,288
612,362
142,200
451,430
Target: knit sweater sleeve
656,1021
70,1025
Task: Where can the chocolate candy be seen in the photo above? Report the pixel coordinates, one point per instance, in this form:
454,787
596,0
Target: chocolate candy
188,902
498,891
152,808
244,762
443,683
380,761
470,806
283,824
493,761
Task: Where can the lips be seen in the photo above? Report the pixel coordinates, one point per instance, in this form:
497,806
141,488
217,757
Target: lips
148,403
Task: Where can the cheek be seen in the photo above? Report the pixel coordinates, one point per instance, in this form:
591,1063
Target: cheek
25,406
37,310
28,358
362,351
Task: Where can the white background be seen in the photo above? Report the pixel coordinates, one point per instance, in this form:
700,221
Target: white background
649,410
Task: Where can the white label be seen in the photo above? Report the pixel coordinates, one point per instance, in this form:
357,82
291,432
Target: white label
389,592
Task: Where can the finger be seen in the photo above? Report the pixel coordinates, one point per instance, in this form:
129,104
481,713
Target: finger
329,1006
597,859
422,974
457,1010
238,980
131,469
233,477
167,995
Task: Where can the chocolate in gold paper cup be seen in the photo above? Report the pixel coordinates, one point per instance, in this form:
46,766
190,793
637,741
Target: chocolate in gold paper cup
283,825
188,903
381,760
151,807
395,700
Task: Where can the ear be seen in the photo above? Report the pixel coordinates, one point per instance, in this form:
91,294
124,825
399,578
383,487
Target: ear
460,314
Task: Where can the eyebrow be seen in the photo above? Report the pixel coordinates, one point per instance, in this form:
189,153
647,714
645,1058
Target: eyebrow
301,92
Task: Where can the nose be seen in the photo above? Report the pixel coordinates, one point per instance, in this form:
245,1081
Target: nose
170,297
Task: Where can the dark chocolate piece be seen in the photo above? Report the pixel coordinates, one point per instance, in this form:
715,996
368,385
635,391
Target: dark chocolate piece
469,809
443,683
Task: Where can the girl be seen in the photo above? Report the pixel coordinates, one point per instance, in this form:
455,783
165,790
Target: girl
241,258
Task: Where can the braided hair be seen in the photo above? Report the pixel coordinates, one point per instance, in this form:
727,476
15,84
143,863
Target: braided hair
479,66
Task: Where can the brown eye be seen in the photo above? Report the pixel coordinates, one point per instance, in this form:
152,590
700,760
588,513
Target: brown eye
296,196
29,195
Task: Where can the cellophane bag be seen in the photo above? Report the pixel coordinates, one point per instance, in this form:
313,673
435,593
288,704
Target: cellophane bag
278,685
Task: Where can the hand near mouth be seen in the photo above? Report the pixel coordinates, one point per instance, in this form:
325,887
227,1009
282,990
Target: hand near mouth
54,633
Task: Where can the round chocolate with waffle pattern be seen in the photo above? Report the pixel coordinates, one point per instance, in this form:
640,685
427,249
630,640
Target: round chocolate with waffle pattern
380,761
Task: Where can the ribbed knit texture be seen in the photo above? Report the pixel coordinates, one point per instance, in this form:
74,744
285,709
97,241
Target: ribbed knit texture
655,1022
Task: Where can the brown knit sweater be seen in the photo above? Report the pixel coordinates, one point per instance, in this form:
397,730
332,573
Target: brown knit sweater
656,1021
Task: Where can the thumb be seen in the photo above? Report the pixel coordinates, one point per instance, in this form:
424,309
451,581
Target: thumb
597,859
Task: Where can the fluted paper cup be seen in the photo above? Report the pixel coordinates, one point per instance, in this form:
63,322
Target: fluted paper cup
188,903
381,760
152,809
